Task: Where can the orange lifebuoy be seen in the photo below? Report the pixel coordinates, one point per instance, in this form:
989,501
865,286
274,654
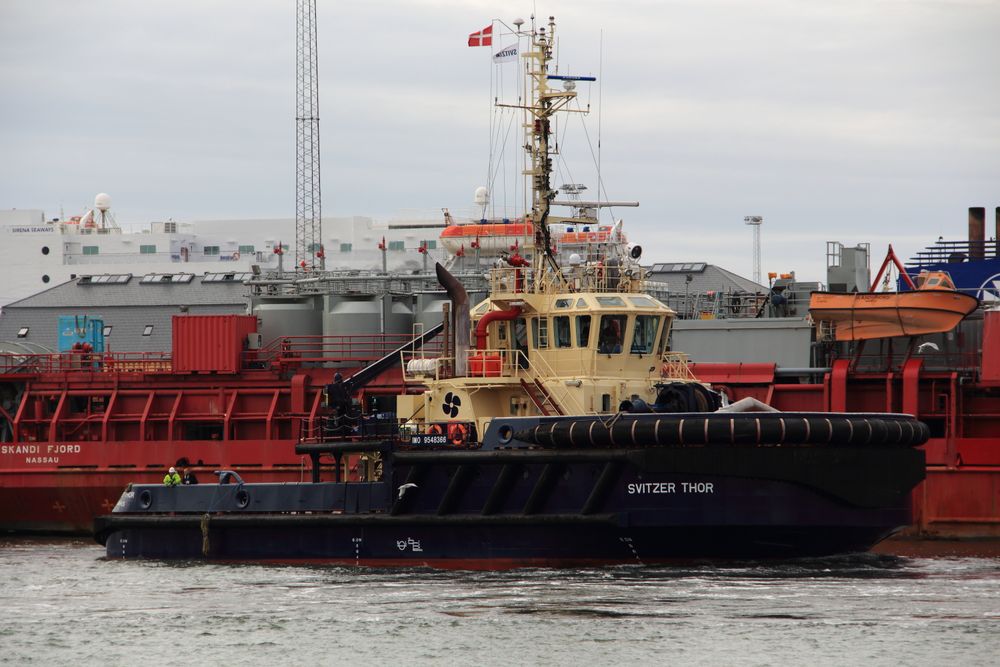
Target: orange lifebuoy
435,429
458,433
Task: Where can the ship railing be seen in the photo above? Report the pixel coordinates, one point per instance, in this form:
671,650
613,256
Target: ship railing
948,252
85,362
589,278
322,350
367,283
540,369
354,426
488,364
421,365
676,366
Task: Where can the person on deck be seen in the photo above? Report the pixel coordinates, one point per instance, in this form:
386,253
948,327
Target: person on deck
172,478
188,477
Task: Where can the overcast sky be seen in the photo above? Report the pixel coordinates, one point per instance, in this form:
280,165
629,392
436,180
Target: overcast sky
854,120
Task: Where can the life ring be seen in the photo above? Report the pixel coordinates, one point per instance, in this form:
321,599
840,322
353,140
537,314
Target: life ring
435,429
236,256
592,237
458,434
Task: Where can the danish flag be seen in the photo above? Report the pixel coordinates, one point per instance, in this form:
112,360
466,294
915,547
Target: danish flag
482,37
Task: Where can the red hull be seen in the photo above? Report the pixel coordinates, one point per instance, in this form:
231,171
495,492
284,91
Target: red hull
85,427
960,497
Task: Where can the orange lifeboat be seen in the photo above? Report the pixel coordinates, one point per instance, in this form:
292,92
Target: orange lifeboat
934,307
492,237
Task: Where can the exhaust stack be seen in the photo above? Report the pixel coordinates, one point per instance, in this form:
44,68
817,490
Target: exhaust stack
977,232
462,318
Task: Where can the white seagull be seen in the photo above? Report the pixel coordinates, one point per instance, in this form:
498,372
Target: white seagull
404,487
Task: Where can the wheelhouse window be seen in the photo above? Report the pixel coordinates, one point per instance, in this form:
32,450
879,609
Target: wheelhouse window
612,333
560,325
645,334
583,330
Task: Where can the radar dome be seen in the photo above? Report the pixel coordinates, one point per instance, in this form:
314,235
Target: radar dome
482,196
102,202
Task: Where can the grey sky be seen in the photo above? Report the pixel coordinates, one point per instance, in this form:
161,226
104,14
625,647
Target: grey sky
856,120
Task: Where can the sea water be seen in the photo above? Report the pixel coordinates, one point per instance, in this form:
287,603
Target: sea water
62,602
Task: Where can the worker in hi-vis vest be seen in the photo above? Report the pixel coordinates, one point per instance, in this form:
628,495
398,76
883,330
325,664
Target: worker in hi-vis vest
172,478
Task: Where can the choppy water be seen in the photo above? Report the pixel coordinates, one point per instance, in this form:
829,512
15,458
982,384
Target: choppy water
61,602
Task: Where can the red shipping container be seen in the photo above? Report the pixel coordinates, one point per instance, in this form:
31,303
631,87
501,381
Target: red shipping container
210,343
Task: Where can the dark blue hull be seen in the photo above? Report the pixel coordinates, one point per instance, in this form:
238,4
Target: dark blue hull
515,508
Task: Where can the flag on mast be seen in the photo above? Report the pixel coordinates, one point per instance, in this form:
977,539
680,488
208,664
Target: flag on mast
482,37
506,54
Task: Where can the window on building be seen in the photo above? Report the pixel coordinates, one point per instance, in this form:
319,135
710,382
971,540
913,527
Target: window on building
211,250
315,247
23,332
90,250
431,244
247,250
345,247
107,331
147,330
147,250
397,245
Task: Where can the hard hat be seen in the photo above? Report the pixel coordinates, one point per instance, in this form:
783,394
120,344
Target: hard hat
173,470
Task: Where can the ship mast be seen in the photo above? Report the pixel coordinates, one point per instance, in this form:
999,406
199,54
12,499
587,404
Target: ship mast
545,101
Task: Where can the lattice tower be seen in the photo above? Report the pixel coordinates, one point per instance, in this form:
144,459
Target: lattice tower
308,208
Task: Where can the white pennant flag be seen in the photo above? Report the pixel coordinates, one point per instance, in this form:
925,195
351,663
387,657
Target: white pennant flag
506,54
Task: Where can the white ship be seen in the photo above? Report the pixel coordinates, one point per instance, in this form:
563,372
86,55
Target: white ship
37,253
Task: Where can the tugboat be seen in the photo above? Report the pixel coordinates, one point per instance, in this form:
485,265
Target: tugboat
565,433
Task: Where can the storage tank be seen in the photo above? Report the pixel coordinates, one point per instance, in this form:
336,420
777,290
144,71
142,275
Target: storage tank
361,314
428,308
398,313
288,317
427,311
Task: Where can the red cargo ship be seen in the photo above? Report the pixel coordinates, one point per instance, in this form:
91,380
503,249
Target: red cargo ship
76,428
954,390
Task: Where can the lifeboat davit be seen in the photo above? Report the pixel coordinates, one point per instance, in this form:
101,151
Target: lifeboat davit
934,307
